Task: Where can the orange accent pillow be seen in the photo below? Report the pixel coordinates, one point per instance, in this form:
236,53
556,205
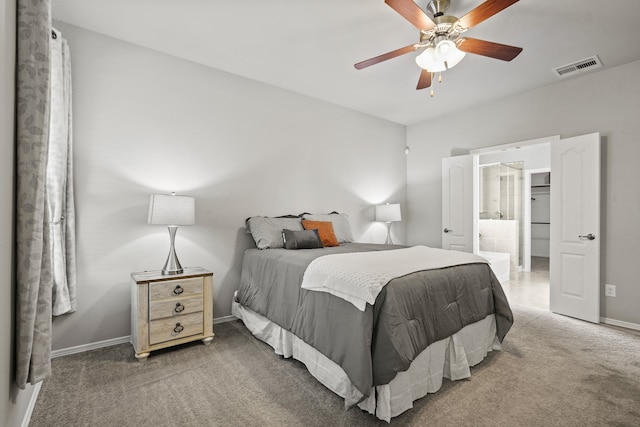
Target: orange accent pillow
325,231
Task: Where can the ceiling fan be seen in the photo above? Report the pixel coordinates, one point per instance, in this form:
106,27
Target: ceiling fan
441,37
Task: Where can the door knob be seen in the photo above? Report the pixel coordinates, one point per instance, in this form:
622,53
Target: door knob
446,230
588,236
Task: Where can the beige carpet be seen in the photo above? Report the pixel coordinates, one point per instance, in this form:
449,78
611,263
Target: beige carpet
554,371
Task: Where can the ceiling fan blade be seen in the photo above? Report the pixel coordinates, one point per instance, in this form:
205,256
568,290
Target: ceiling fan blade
490,49
485,11
386,56
412,13
425,80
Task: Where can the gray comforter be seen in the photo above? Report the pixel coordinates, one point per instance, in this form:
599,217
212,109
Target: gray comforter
372,346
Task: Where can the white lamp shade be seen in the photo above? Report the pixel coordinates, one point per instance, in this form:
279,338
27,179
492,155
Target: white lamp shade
388,212
444,50
454,56
167,209
427,60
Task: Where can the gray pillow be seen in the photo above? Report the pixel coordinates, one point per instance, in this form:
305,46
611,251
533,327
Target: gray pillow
305,239
267,231
341,226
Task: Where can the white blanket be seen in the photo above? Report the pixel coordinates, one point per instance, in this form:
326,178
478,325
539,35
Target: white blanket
360,276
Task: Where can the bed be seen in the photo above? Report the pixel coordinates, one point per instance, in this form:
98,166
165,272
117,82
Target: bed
432,315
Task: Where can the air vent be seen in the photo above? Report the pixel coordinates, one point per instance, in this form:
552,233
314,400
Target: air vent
578,67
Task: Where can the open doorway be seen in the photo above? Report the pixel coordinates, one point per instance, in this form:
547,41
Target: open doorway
530,285
512,219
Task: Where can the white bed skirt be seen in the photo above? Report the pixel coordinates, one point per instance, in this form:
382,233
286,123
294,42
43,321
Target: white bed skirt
448,358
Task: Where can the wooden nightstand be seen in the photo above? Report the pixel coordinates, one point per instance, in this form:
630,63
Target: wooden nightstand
167,310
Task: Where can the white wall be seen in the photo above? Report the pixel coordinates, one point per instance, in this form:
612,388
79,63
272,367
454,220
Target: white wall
146,122
13,402
607,102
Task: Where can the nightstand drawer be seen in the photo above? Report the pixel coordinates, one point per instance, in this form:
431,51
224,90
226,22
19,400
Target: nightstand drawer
175,307
175,288
175,327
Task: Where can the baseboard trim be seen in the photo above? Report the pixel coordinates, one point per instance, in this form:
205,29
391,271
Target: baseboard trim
32,404
90,346
115,341
620,323
224,319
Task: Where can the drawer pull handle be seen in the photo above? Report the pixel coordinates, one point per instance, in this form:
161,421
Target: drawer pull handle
178,290
179,308
179,328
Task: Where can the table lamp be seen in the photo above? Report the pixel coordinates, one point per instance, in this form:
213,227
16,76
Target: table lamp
388,213
172,211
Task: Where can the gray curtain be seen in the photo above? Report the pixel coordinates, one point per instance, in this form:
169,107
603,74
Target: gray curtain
37,215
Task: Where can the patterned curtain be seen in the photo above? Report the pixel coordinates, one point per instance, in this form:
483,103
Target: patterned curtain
33,269
39,217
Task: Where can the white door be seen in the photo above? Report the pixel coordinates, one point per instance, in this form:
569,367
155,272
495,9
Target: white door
575,227
457,203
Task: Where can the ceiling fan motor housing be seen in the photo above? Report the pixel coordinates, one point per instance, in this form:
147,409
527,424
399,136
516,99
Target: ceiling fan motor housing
442,30
438,7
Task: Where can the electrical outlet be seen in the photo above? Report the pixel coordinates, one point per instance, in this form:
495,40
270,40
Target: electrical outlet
610,290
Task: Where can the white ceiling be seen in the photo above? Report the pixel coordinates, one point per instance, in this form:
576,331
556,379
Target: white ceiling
310,46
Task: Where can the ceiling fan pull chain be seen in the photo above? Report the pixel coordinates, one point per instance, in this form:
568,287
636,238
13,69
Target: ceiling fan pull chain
440,77
431,94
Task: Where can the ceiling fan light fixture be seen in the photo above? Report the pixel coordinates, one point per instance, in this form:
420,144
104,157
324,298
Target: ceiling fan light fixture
427,60
440,59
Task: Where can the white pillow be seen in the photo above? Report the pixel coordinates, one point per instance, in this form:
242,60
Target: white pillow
341,226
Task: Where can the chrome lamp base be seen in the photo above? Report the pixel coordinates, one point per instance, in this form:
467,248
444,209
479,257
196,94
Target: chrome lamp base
172,265
389,241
